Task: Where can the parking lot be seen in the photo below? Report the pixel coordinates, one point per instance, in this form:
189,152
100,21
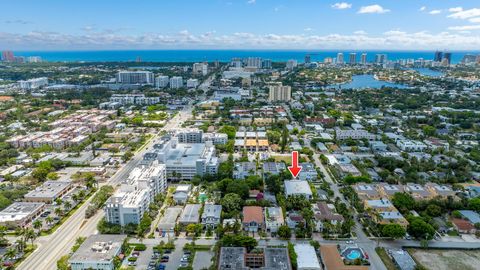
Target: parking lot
202,259
176,255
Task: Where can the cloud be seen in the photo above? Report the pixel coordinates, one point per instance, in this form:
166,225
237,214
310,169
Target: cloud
341,5
422,8
474,20
308,29
459,13
251,1
277,8
455,9
394,39
360,32
373,9
435,12
464,27
18,21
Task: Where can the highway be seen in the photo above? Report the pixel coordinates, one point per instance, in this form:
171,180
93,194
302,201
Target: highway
52,247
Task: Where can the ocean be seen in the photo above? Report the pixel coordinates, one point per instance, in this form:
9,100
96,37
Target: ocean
222,55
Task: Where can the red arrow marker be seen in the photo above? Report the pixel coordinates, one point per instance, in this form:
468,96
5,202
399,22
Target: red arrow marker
295,169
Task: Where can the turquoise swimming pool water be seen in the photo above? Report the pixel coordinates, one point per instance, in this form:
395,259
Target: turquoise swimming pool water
353,254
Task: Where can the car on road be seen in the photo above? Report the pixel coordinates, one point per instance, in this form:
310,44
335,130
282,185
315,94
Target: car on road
349,242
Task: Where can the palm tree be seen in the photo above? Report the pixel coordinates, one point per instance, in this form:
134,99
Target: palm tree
58,211
20,245
49,219
30,235
67,205
37,224
10,253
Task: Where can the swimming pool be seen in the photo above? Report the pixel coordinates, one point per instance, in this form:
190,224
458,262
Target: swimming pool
353,254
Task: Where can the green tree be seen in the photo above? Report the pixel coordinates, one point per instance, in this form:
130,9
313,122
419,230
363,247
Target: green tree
231,203
420,229
403,201
393,231
284,232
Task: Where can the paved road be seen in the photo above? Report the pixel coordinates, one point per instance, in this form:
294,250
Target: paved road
52,247
362,240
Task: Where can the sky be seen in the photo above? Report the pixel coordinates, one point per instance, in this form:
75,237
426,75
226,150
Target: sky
240,24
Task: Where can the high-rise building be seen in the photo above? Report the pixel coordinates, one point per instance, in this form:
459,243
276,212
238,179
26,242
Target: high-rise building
176,82
279,92
308,59
162,81
267,64
353,59
7,56
380,58
328,60
254,62
291,64
447,56
135,77
200,68
438,56
236,62
340,58
363,60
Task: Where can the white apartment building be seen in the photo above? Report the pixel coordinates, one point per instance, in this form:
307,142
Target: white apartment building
135,77
33,83
184,161
279,92
411,145
127,205
162,81
176,82
343,134
192,83
136,99
154,176
131,201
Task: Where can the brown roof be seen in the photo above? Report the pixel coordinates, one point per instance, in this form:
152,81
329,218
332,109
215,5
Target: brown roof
252,213
324,213
462,224
332,260
5,98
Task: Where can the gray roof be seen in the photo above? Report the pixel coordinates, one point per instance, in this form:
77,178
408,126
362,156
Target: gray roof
212,210
98,248
472,216
402,259
190,214
293,187
49,189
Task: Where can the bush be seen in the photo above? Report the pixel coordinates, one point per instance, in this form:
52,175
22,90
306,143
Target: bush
138,246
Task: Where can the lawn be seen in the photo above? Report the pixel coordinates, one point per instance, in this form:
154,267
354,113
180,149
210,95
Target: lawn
447,259
382,253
